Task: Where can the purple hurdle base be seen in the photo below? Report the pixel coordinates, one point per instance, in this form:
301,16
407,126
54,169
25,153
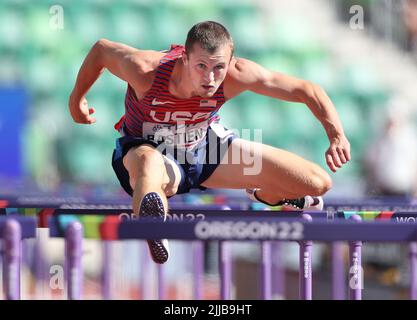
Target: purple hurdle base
355,258
161,282
413,270
305,272
198,268
105,283
338,271
278,273
266,270
73,265
146,287
12,235
225,270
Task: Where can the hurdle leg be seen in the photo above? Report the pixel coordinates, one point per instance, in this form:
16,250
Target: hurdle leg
198,271
146,285
24,260
413,270
355,281
278,273
73,255
355,261
12,236
266,270
225,268
42,290
338,271
105,280
305,272
161,282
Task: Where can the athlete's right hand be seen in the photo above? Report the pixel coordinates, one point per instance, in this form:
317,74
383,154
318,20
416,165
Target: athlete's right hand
80,111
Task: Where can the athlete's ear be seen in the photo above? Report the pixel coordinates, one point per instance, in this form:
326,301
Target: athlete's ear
185,58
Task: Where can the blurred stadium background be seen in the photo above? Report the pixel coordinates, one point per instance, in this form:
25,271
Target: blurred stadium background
368,70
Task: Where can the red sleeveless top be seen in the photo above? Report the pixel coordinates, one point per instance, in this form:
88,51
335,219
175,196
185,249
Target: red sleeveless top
160,116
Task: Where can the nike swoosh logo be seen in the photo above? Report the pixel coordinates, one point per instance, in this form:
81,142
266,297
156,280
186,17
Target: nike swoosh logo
155,102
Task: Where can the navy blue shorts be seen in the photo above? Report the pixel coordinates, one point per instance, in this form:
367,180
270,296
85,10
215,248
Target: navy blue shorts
195,166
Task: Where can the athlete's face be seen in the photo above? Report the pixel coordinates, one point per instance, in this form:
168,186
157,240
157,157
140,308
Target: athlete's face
207,70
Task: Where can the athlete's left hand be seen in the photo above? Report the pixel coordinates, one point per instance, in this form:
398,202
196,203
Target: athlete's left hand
338,153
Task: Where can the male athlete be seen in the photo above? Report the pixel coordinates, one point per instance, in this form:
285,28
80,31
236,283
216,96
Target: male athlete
172,141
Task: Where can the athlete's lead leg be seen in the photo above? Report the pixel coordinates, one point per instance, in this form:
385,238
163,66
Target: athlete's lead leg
148,173
151,183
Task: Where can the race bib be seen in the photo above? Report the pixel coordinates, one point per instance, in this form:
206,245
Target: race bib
176,135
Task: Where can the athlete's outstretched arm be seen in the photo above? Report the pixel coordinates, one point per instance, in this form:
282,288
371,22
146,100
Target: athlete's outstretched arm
123,61
247,75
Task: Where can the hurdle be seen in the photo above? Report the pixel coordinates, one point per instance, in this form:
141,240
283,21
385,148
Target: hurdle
260,215
265,270
300,230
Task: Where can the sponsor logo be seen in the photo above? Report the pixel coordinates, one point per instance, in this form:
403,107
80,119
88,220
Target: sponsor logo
156,102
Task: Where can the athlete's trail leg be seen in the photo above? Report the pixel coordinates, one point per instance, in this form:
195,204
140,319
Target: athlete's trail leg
278,173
